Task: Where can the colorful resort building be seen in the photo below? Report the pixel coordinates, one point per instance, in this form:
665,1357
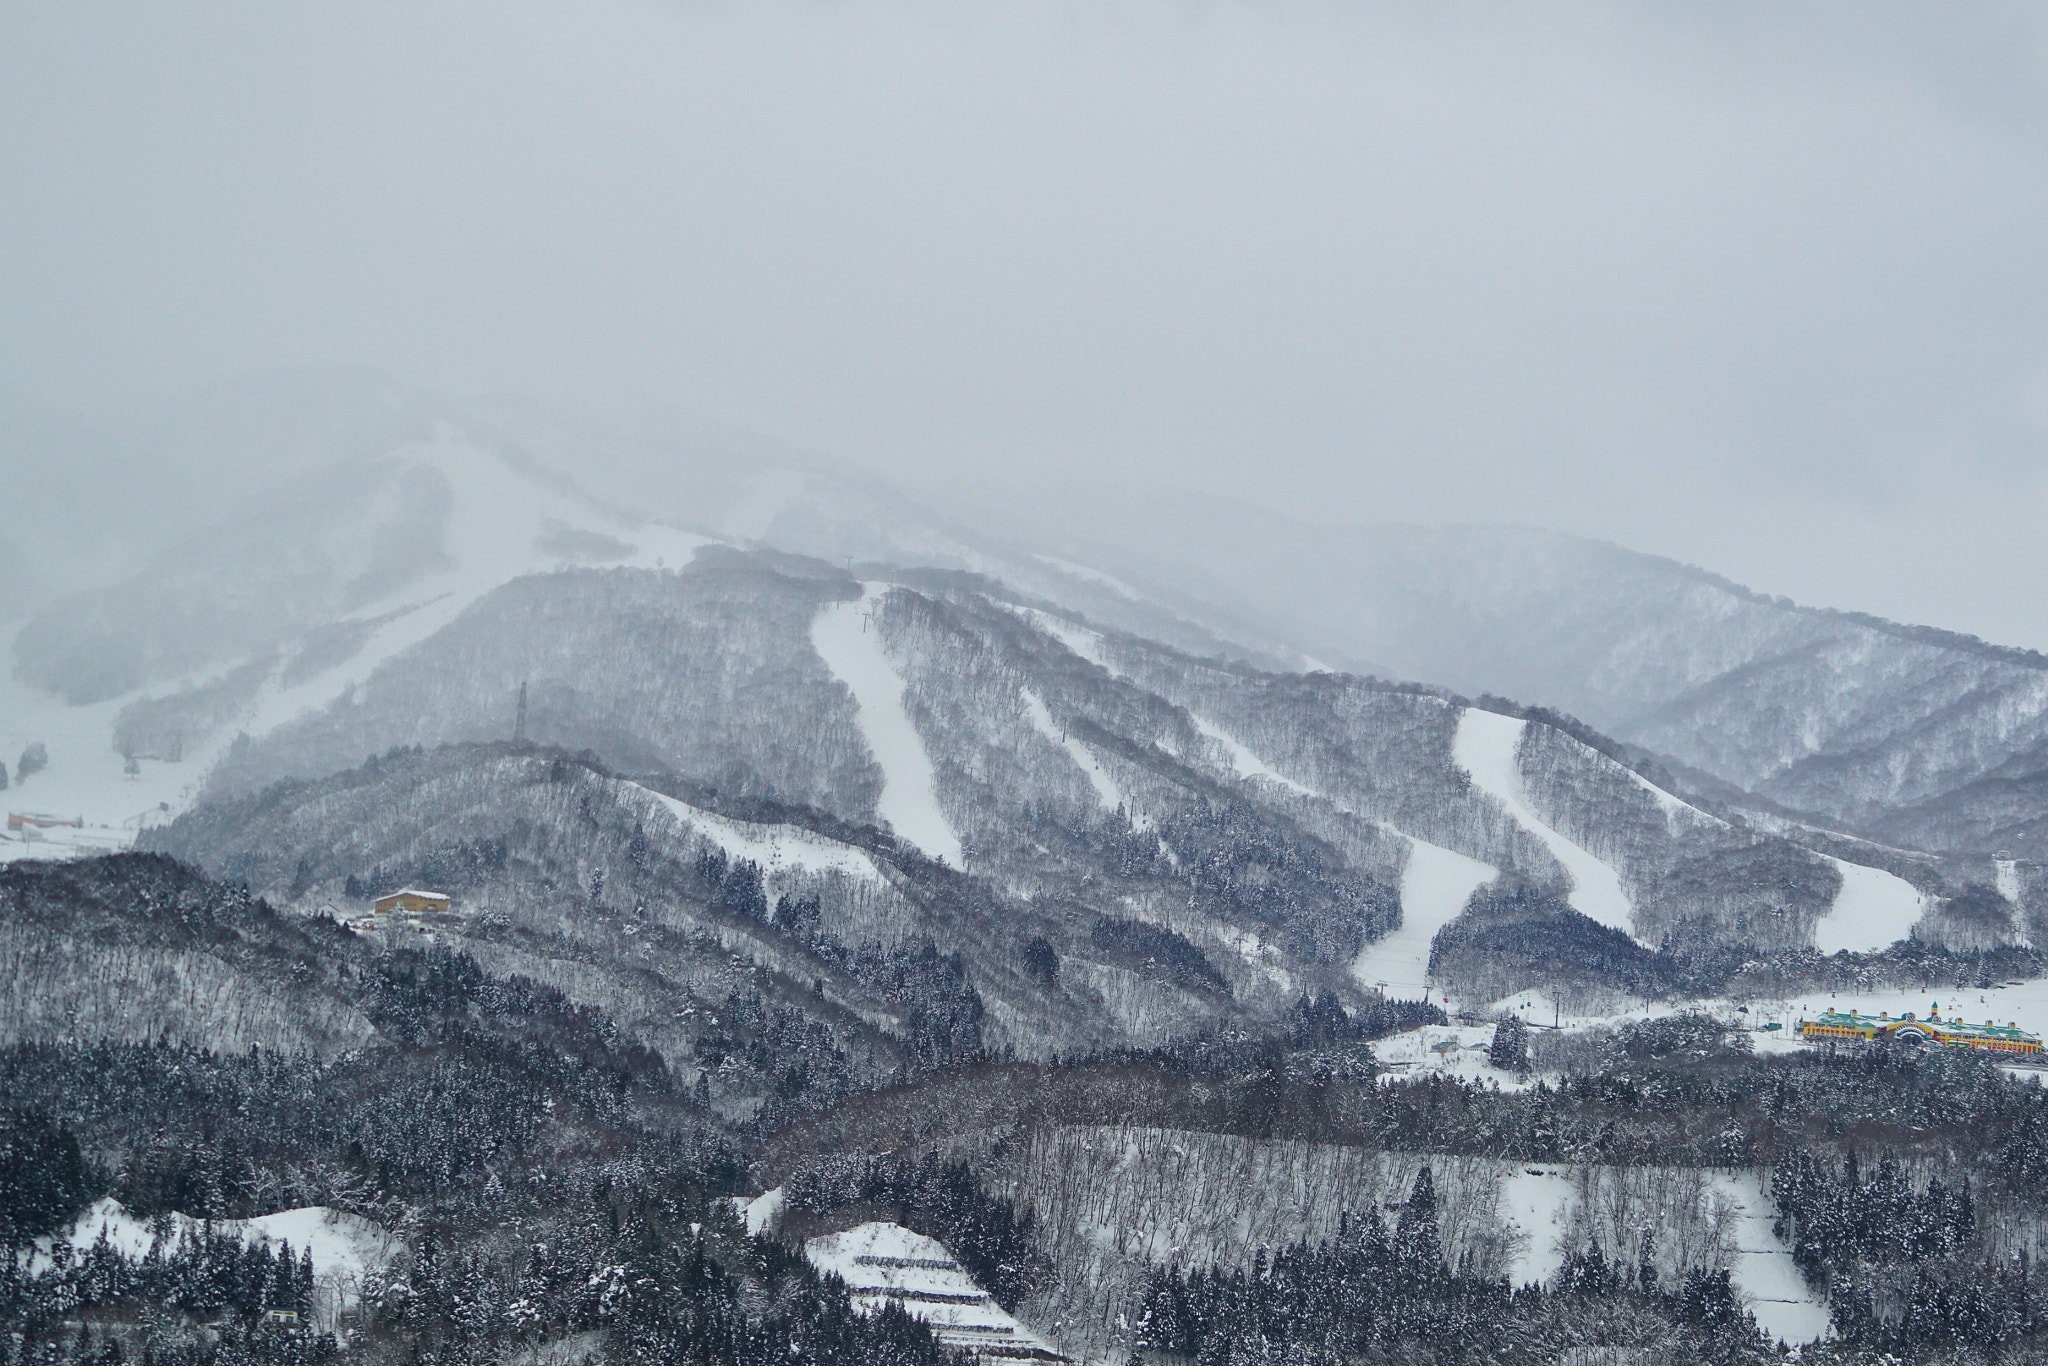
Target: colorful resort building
1839,1026
412,901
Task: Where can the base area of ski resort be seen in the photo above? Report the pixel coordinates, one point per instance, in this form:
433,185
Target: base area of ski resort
1848,1026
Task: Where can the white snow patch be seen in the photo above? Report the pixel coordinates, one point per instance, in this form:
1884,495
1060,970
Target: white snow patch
2008,879
1873,910
346,1248
1435,884
1485,748
845,637
1107,793
1243,762
774,848
1079,639
1095,576
1764,1270
762,1211
881,1263
1537,1203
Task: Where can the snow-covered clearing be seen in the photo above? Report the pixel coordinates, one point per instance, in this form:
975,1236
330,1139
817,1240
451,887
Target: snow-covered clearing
1486,747
1458,1051
1106,790
883,1262
1542,1203
762,1211
1435,884
84,780
846,639
1873,910
1536,1203
773,848
346,1248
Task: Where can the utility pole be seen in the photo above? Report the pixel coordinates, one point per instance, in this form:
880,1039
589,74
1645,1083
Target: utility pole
519,725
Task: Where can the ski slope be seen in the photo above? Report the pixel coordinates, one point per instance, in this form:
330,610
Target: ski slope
1435,882
1485,747
883,1263
774,848
1243,762
1079,640
499,525
1435,885
1764,1270
1873,910
1107,793
845,638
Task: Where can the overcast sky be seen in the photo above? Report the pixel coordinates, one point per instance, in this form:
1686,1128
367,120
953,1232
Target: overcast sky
1760,287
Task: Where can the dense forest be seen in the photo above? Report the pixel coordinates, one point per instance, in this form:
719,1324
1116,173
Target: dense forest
552,1184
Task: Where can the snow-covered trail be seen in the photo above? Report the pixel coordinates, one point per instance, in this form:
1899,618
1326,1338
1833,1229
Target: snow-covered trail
1485,748
1435,885
1764,1270
1107,793
846,640
1873,910
1435,882
774,849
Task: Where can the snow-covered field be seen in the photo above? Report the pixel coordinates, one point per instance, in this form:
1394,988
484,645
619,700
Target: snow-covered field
346,1248
1542,1203
851,647
1485,748
1537,1203
881,1262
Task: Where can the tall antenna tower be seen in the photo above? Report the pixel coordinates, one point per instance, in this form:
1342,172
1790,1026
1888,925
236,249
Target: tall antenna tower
519,726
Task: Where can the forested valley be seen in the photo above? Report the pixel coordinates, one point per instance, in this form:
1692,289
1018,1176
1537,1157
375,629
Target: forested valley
553,1187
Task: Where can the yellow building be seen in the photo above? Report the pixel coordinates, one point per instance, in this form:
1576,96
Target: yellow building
411,900
1846,1026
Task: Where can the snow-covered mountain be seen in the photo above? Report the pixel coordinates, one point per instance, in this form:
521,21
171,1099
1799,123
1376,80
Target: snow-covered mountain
1117,777
1906,734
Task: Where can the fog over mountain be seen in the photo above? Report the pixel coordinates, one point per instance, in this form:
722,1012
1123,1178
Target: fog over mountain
907,684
